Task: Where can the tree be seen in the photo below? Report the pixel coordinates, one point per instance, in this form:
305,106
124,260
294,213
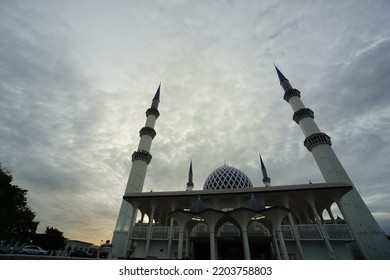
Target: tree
52,239
16,217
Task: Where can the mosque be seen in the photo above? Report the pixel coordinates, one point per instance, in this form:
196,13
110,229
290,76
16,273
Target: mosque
231,219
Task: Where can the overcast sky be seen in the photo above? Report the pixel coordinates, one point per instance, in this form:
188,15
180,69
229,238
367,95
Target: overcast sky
76,78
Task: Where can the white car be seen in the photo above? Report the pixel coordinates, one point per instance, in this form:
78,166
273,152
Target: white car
33,250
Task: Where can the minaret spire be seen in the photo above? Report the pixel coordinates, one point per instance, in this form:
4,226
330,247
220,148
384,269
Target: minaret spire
156,99
284,82
368,235
280,74
266,179
190,183
140,159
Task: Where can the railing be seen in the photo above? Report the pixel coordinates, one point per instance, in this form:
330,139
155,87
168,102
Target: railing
305,232
176,233
139,232
338,232
160,233
287,232
309,232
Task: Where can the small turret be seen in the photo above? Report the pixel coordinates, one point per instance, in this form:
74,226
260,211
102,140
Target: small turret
266,179
190,184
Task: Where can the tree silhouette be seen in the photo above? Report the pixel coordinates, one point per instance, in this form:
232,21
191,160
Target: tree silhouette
52,239
16,218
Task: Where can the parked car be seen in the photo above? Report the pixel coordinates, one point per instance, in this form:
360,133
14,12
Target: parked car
81,254
33,250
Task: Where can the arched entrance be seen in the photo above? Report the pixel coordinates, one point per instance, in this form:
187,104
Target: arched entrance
201,242
259,241
229,242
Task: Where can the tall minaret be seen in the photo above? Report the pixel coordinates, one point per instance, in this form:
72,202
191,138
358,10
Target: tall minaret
190,183
369,237
266,179
140,158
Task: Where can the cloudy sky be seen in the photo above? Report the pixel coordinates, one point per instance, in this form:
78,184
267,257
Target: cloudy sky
77,77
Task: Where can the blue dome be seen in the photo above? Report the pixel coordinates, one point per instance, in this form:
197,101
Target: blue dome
227,177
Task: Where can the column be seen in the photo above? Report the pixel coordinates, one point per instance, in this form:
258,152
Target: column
212,244
149,234
180,245
170,238
275,244
281,242
296,236
187,243
286,204
171,233
331,253
247,252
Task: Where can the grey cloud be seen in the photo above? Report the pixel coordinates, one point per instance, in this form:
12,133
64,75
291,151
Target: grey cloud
77,81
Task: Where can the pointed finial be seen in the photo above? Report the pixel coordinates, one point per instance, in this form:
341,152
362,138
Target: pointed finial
157,95
262,163
156,99
266,179
190,172
190,183
284,82
280,74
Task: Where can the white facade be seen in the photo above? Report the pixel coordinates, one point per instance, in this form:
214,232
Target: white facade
234,220
228,222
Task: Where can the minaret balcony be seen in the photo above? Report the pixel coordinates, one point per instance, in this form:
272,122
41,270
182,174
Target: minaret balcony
303,113
152,111
290,93
147,131
141,155
267,181
316,139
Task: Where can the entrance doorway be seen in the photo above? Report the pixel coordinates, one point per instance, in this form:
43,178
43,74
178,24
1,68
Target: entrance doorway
261,249
232,249
201,249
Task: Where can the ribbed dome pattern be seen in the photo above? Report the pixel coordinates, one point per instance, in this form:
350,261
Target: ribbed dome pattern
227,177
